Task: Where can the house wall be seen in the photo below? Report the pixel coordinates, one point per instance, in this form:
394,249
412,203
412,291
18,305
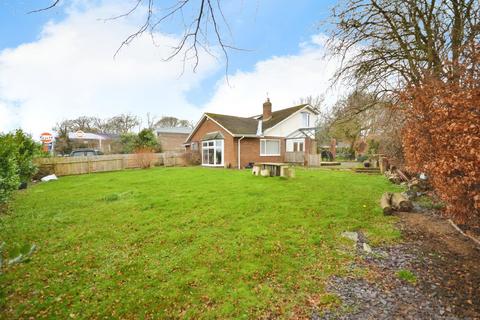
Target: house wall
285,128
172,141
250,151
210,126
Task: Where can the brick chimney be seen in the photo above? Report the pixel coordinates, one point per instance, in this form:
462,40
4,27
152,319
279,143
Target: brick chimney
267,110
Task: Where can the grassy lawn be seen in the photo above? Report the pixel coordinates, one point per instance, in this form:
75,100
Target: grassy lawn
185,243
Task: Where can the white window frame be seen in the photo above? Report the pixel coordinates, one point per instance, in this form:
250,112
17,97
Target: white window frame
270,155
291,142
299,143
306,116
214,147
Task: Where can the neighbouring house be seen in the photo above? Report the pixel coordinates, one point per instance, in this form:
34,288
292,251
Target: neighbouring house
172,138
230,141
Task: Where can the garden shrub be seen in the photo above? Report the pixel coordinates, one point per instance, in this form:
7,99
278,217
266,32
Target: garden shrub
17,151
442,138
146,139
145,158
27,149
9,177
127,141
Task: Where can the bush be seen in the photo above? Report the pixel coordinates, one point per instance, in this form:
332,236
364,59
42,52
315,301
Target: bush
145,158
17,151
128,140
442,139
362,158
9,177
27,149
345,153
146,139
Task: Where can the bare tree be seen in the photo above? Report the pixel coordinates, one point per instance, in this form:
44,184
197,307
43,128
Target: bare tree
151,120
203,21
387,44
170,122
315,101
122,124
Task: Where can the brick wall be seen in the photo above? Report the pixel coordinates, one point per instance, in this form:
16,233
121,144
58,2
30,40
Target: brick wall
250,151
250,147
209,126
172,141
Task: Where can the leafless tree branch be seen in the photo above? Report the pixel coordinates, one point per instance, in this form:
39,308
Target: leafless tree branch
196,34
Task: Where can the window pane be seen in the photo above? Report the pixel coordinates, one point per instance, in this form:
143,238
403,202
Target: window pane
210,143
205,156
273,147
262,146
211,156
306,119
218,155
289,146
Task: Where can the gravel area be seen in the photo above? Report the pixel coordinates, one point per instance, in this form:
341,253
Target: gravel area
446,283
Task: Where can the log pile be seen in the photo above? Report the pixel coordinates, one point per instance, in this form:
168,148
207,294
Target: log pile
396,176
391,202
418,185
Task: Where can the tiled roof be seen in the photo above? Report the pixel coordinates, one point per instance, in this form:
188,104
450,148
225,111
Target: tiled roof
183,130
241,125
280,115
236,125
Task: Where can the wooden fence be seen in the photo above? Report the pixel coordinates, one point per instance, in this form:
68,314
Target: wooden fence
64,166
295,157
314,160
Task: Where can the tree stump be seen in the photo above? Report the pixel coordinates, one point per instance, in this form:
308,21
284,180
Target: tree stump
401,203
385,203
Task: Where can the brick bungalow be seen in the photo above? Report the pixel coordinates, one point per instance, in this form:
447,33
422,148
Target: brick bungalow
234,142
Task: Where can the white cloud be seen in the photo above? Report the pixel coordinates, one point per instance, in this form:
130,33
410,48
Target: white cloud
70,71
285,78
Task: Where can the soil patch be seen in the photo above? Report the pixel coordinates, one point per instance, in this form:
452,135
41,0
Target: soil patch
433,274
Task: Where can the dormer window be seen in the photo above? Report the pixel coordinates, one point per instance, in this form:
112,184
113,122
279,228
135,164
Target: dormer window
305,119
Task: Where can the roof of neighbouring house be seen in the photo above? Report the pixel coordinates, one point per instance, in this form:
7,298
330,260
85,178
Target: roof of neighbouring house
241,125
87,136
180,130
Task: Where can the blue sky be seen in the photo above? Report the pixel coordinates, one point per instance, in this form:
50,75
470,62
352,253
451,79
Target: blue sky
275,33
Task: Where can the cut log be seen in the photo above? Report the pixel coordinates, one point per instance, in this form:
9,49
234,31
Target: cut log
385,203
401,203
402,175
